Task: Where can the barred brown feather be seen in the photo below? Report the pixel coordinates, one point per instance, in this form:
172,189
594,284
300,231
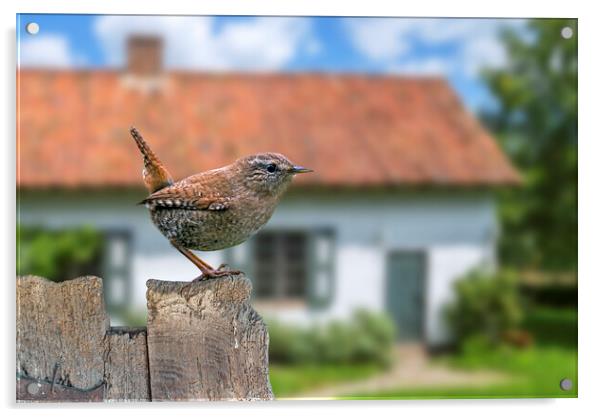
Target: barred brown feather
215,209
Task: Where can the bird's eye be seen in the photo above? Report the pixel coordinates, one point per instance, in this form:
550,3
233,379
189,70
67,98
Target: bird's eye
271,168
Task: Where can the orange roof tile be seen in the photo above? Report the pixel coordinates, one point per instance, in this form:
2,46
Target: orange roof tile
353,130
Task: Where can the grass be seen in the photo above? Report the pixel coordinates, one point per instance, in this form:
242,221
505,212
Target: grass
534,372
288,380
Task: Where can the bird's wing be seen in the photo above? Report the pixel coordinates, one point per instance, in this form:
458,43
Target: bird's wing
189,197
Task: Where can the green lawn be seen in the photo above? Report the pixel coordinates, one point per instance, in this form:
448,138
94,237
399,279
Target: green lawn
533,372
289,380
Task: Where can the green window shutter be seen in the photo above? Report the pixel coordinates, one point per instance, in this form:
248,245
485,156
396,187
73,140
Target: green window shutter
322,271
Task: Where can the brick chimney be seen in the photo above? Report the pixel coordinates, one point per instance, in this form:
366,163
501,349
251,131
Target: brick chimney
145,55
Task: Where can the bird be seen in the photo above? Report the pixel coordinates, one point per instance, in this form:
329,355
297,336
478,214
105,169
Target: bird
214,209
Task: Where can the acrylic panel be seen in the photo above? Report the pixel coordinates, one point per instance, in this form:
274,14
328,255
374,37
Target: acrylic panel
394,200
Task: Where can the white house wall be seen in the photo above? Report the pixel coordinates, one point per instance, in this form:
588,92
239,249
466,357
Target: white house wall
457,231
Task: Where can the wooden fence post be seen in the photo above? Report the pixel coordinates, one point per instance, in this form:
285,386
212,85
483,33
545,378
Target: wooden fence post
126,365
60,336
205,341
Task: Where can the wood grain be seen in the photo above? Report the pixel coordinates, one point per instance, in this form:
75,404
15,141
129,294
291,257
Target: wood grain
205,342
61,331
126,366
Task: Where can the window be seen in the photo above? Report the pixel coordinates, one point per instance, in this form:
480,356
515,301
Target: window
117,269
281,264
289,265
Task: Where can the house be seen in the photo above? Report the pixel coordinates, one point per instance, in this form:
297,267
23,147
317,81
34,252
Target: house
400,205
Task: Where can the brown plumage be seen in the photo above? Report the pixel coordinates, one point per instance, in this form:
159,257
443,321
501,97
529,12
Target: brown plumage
214,209
154,174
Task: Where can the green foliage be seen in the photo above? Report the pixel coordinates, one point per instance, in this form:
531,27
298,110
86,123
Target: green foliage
552,295
290,344
375,332
534,372
131,317
536,123
57,254
553,326
367,338
485,306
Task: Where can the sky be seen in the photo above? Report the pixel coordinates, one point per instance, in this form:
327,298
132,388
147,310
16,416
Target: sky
457,49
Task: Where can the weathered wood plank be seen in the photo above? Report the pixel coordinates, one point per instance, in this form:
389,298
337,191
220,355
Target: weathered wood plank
35,390
205,341
61,331
126,366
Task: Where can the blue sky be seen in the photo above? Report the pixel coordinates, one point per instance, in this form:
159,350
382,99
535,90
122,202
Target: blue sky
457,49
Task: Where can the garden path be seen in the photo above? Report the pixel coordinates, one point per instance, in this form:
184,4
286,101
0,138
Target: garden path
412,369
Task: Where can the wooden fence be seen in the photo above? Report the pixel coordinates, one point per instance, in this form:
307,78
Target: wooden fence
203,341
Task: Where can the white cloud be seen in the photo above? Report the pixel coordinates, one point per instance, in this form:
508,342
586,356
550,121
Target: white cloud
426,67
393,42
262,43
485,51
48,51
379,38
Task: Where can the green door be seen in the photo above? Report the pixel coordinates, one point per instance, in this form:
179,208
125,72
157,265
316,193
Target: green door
405,293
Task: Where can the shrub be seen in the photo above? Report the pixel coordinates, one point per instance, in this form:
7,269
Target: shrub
375,337
58,254
130,317
366,338
551,295
485,305
290,344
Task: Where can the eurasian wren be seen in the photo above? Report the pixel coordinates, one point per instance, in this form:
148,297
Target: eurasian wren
215,209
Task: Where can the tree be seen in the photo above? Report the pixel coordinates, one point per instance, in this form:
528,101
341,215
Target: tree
536,123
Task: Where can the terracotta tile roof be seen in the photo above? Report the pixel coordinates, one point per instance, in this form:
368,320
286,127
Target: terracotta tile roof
353,130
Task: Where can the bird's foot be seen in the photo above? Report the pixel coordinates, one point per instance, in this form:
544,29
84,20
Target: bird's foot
222,271
199,278
226,268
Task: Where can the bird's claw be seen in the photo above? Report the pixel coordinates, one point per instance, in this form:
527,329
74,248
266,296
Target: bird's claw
226,268
199,278
223,271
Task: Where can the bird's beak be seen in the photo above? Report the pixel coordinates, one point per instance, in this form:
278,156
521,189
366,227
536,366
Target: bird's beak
300,170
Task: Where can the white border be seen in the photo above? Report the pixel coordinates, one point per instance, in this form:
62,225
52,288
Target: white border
590,207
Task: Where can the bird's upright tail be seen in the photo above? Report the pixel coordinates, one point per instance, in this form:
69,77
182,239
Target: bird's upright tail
154,174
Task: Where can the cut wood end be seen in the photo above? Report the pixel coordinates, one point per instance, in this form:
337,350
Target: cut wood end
35,279
35,286
231,289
